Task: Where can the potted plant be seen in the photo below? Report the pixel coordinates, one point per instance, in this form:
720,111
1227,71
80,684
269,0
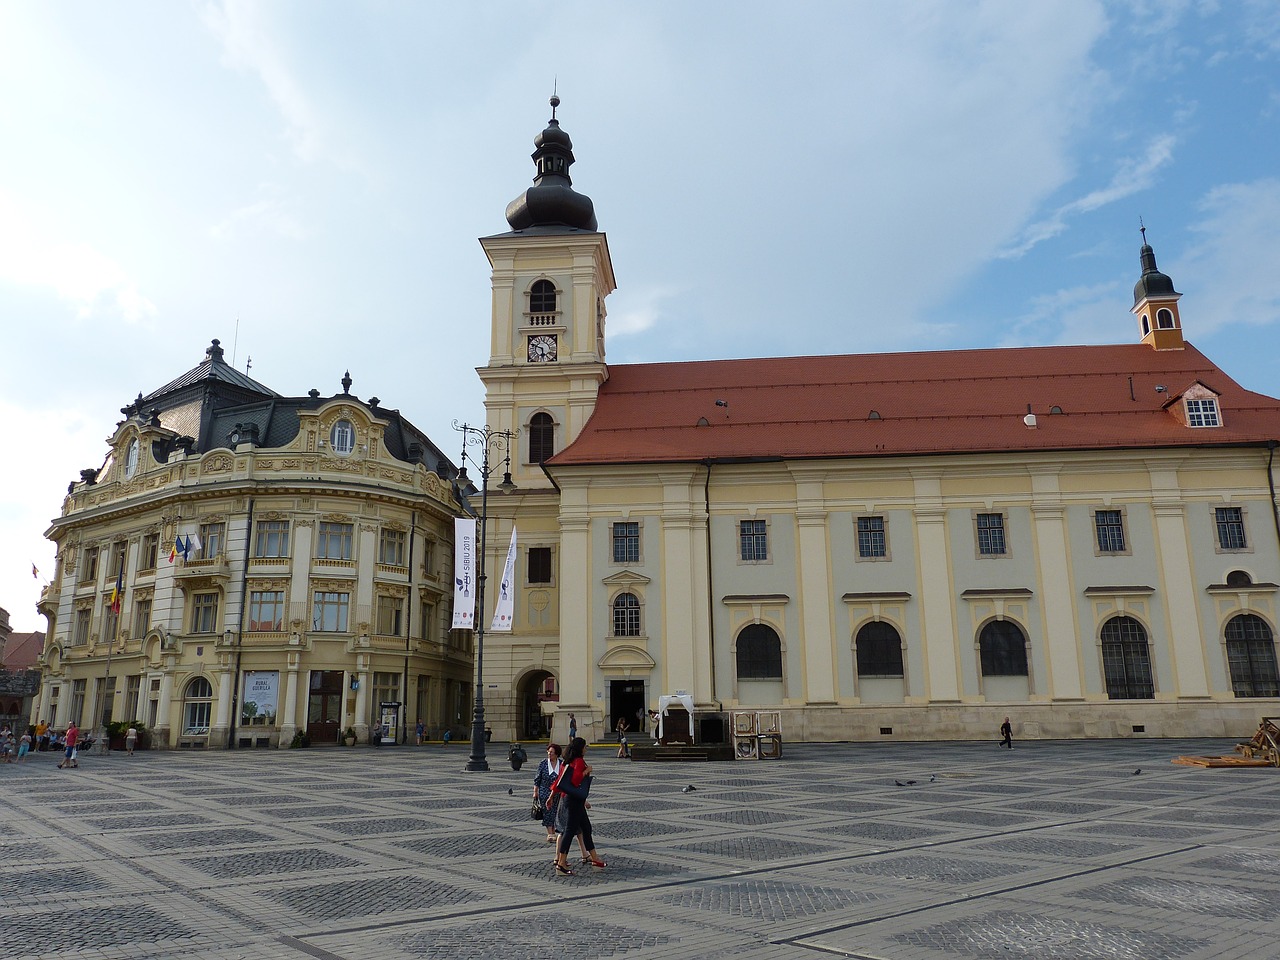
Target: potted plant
349,736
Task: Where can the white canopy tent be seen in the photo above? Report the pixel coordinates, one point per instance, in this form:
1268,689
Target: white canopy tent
680,699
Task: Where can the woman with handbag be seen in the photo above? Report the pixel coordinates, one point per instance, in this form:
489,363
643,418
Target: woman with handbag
573,786
548,772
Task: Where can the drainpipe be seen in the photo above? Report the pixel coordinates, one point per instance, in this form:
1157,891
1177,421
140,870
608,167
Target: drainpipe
1271,485
408,636
244,602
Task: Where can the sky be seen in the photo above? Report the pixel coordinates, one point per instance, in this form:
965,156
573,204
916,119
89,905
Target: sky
306,180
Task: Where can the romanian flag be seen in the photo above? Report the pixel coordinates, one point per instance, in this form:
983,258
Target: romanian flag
176,549
117,591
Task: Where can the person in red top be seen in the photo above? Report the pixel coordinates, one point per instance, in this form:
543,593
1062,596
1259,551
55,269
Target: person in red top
576,771
73,734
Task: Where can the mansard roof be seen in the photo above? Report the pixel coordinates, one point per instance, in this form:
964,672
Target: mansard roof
894,404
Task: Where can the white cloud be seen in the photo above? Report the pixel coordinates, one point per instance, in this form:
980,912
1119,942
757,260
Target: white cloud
270,214
1237,257
1134,175
1092,313
32,254
638,312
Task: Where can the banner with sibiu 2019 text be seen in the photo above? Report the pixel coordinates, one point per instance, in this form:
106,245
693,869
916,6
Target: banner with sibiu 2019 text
464,574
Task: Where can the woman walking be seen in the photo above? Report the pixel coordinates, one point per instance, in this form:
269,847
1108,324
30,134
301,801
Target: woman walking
549,771
572,787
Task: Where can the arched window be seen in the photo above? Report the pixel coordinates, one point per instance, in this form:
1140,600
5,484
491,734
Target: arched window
1146,325
879,650
342,437
1003,650
197,706
1238,578
1126,660
759,653
542,438
626,615
1164,319
542,297
1251,655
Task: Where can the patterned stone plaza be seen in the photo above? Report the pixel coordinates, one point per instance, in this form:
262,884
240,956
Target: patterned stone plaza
1056,850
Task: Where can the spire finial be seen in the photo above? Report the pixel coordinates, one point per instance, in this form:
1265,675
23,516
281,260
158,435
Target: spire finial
346,382
1142,229
555,102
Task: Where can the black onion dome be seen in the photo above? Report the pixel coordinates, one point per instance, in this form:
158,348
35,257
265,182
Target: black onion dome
552,201
1152,284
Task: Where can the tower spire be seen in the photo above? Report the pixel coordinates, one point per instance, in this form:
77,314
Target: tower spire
1155,302
552,202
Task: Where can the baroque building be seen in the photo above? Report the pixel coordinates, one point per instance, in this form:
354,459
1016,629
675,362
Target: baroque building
282,567
898,545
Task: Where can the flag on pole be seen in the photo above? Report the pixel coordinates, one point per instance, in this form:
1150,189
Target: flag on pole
117,591
504,609
464,573
193,544
176,548
34,572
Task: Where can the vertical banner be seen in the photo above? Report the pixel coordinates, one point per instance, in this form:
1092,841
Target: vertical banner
505,607
464,574
260,697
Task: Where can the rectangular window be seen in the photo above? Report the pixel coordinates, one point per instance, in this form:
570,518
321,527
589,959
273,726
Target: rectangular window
266,611
391,547
429,559
117,560
213,540
991,534
141,617
1109,525
390,616
204,613
626,542
132,694
1230,521
334,541
110,622
77,702
753,540
271,539
89,568
84,618
872,542
329,614
386,689
539,565
427,628
150,551
1202,413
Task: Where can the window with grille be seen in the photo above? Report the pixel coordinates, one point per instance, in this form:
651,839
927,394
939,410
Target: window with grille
759,653
1203,413
266,611
204,613
390,616
329,613
391,544
333,541
542,297
1109,527
539,565
753,540
1126,660
542,438
1230,524
626,615
272,539
1251,657
213,540
1002,649
872,542
879,649
626,542
991,541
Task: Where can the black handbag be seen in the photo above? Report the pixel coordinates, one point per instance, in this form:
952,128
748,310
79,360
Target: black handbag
579,792
536,812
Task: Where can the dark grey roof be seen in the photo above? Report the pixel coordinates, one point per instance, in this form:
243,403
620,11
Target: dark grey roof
213,368
1152,283
552,201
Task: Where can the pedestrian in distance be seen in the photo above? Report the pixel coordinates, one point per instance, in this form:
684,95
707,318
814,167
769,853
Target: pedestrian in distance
69,758
130,740
624,749
23,746
1006,731
419,730
573,727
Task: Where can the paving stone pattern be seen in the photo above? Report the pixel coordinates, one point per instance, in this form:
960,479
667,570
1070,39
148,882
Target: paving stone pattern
1055,850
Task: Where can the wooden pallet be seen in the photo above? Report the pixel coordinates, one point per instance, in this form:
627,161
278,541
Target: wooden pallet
1234,761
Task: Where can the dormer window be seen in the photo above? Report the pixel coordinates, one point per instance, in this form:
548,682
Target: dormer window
1202,412
342,438
131,458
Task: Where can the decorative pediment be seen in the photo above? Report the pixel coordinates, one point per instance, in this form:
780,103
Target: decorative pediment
626,657
625,578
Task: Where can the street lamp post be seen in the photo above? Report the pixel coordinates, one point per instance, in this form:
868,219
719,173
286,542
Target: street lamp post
485,438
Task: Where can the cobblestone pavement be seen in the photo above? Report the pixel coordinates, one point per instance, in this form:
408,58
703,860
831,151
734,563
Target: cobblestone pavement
1055,850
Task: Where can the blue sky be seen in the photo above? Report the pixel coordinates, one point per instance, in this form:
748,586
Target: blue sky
829,178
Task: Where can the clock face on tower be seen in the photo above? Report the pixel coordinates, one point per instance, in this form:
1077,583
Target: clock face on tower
542,348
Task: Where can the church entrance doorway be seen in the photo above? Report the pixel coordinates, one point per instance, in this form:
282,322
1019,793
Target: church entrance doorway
626,700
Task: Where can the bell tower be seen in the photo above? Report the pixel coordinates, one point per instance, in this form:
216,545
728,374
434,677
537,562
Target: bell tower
551,273
1155,304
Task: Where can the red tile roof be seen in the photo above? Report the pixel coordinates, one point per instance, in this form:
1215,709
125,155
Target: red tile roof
22,650
957,401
